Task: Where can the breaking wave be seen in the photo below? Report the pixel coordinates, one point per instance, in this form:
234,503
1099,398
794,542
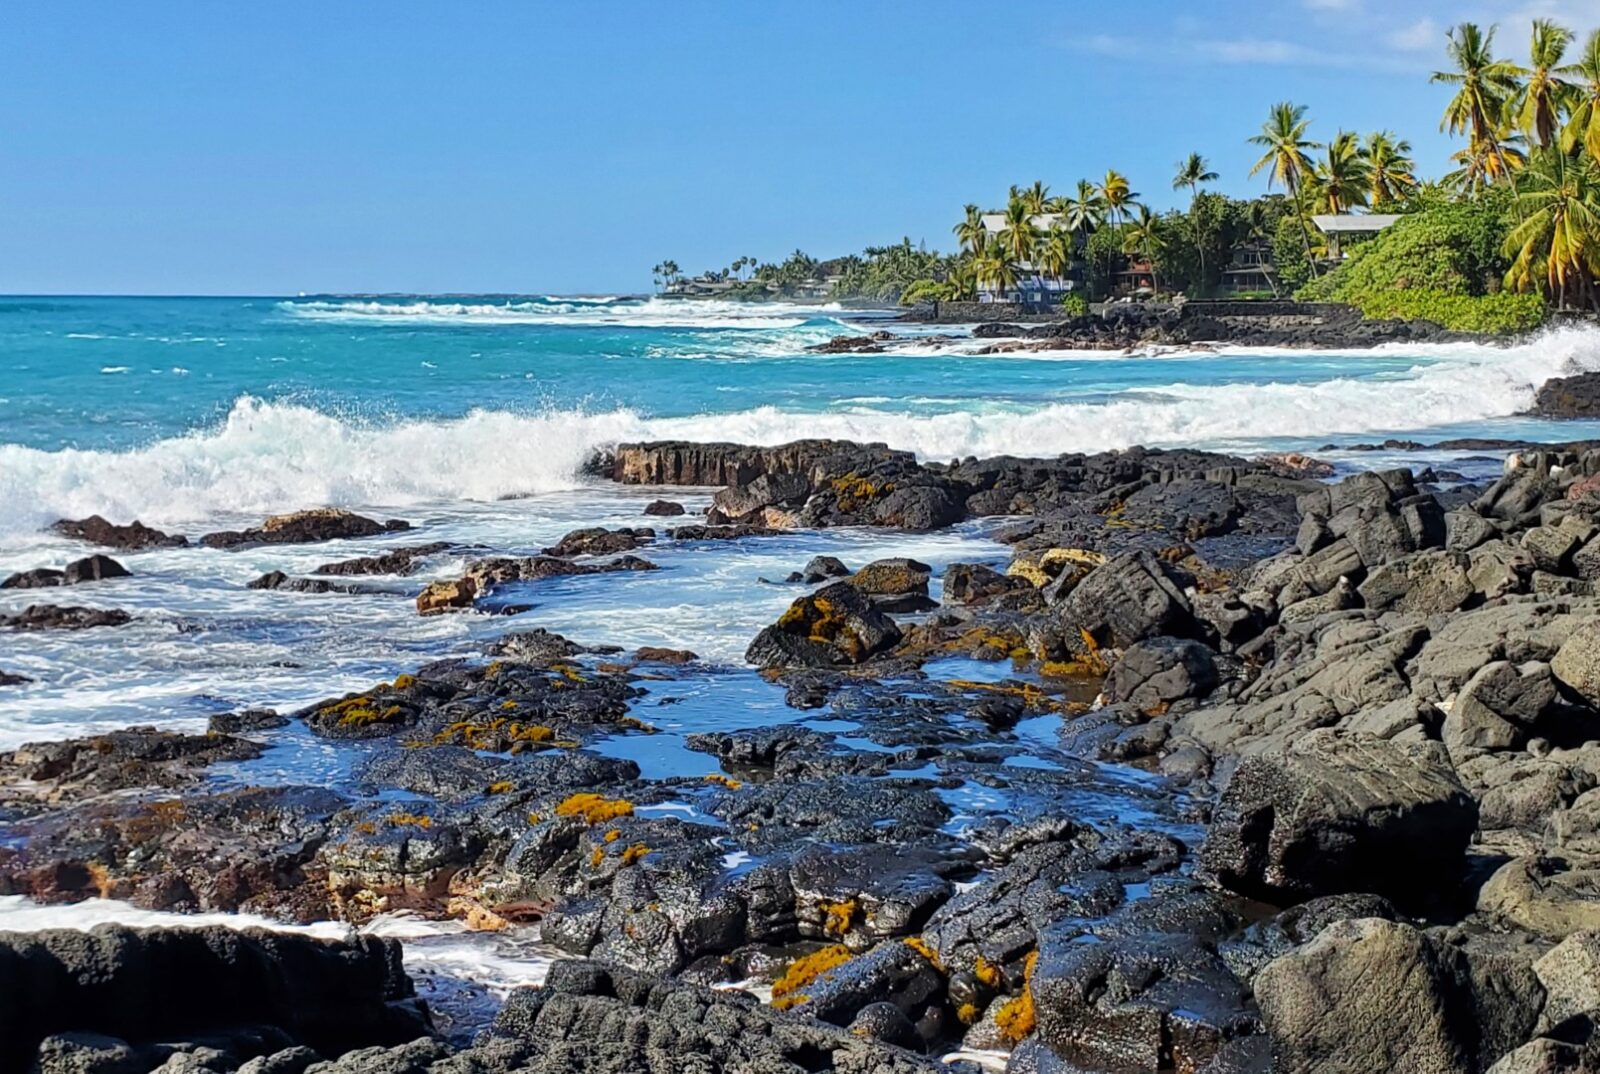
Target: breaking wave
606,310
274,456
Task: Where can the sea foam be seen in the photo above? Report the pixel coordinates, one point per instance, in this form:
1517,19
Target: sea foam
268,456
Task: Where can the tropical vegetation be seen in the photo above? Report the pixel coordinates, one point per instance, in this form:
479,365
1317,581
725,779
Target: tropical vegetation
1511,231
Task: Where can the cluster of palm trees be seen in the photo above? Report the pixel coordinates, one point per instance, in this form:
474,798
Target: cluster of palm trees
1043,235
1535,129
1346,172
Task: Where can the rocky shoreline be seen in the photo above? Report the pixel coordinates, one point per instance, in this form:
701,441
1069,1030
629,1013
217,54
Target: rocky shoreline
1121,326
1262,771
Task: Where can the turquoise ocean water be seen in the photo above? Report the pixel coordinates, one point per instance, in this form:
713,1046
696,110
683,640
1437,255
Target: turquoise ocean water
472,417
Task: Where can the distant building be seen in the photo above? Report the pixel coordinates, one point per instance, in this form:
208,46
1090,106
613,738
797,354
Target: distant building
1250,270
1350,226
1033,287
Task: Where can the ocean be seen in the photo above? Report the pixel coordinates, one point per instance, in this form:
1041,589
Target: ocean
472,418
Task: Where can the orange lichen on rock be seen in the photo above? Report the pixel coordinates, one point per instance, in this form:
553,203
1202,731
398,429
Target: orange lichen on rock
726,781
804,970
1016,1017
593,808
839,916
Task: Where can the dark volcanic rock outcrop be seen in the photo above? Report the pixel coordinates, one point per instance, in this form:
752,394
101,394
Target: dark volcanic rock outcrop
1569,397
144,991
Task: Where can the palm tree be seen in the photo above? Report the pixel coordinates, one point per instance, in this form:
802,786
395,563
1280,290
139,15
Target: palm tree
1036,198
1480,165
993,268
1085,212
1142,237
1283,136
1390,169
1538,103
1053,254
1558,239
1484,85
1192,171
962,280
1117,196
1020,234
1583,125
1341,179
971,233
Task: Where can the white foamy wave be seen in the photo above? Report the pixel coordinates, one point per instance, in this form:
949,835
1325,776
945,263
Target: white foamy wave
612,311
267,457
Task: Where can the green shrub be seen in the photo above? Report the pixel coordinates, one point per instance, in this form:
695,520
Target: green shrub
1074,305
1436,265
1493,314
926,291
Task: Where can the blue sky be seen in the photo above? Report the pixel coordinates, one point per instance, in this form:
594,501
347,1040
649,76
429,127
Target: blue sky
225,148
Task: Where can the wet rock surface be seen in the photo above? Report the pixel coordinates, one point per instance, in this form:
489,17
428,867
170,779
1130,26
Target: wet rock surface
122,999
1228,768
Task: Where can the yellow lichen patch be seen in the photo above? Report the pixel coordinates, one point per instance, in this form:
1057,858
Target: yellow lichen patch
633,723
634,853
1093,655
726,781
404,682
568,672
501,786
508,705
1072,669
593,808
359,711
967,1013
410,820
805,969
477,917
854,490
925,949
1016,1017
597,857
838,916
612,836
987,972
497,734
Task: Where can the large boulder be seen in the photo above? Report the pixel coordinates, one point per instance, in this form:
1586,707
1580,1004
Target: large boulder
1335,813
1569,397
1157,672
1577,662
149,985
1141,1002
1373,995
1128,599
893,577
836,625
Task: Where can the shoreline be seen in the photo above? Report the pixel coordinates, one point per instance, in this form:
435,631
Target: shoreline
1196,643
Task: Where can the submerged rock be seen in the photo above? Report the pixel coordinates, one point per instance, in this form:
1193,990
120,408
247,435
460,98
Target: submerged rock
304,527
63,617
133,537
89,569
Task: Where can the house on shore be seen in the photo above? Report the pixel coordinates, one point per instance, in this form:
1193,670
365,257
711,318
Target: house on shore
1033,288
1347,227
1251,270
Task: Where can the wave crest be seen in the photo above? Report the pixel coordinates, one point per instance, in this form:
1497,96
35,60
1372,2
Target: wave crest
275,456
609,310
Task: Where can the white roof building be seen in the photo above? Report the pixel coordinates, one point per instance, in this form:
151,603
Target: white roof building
1353,223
